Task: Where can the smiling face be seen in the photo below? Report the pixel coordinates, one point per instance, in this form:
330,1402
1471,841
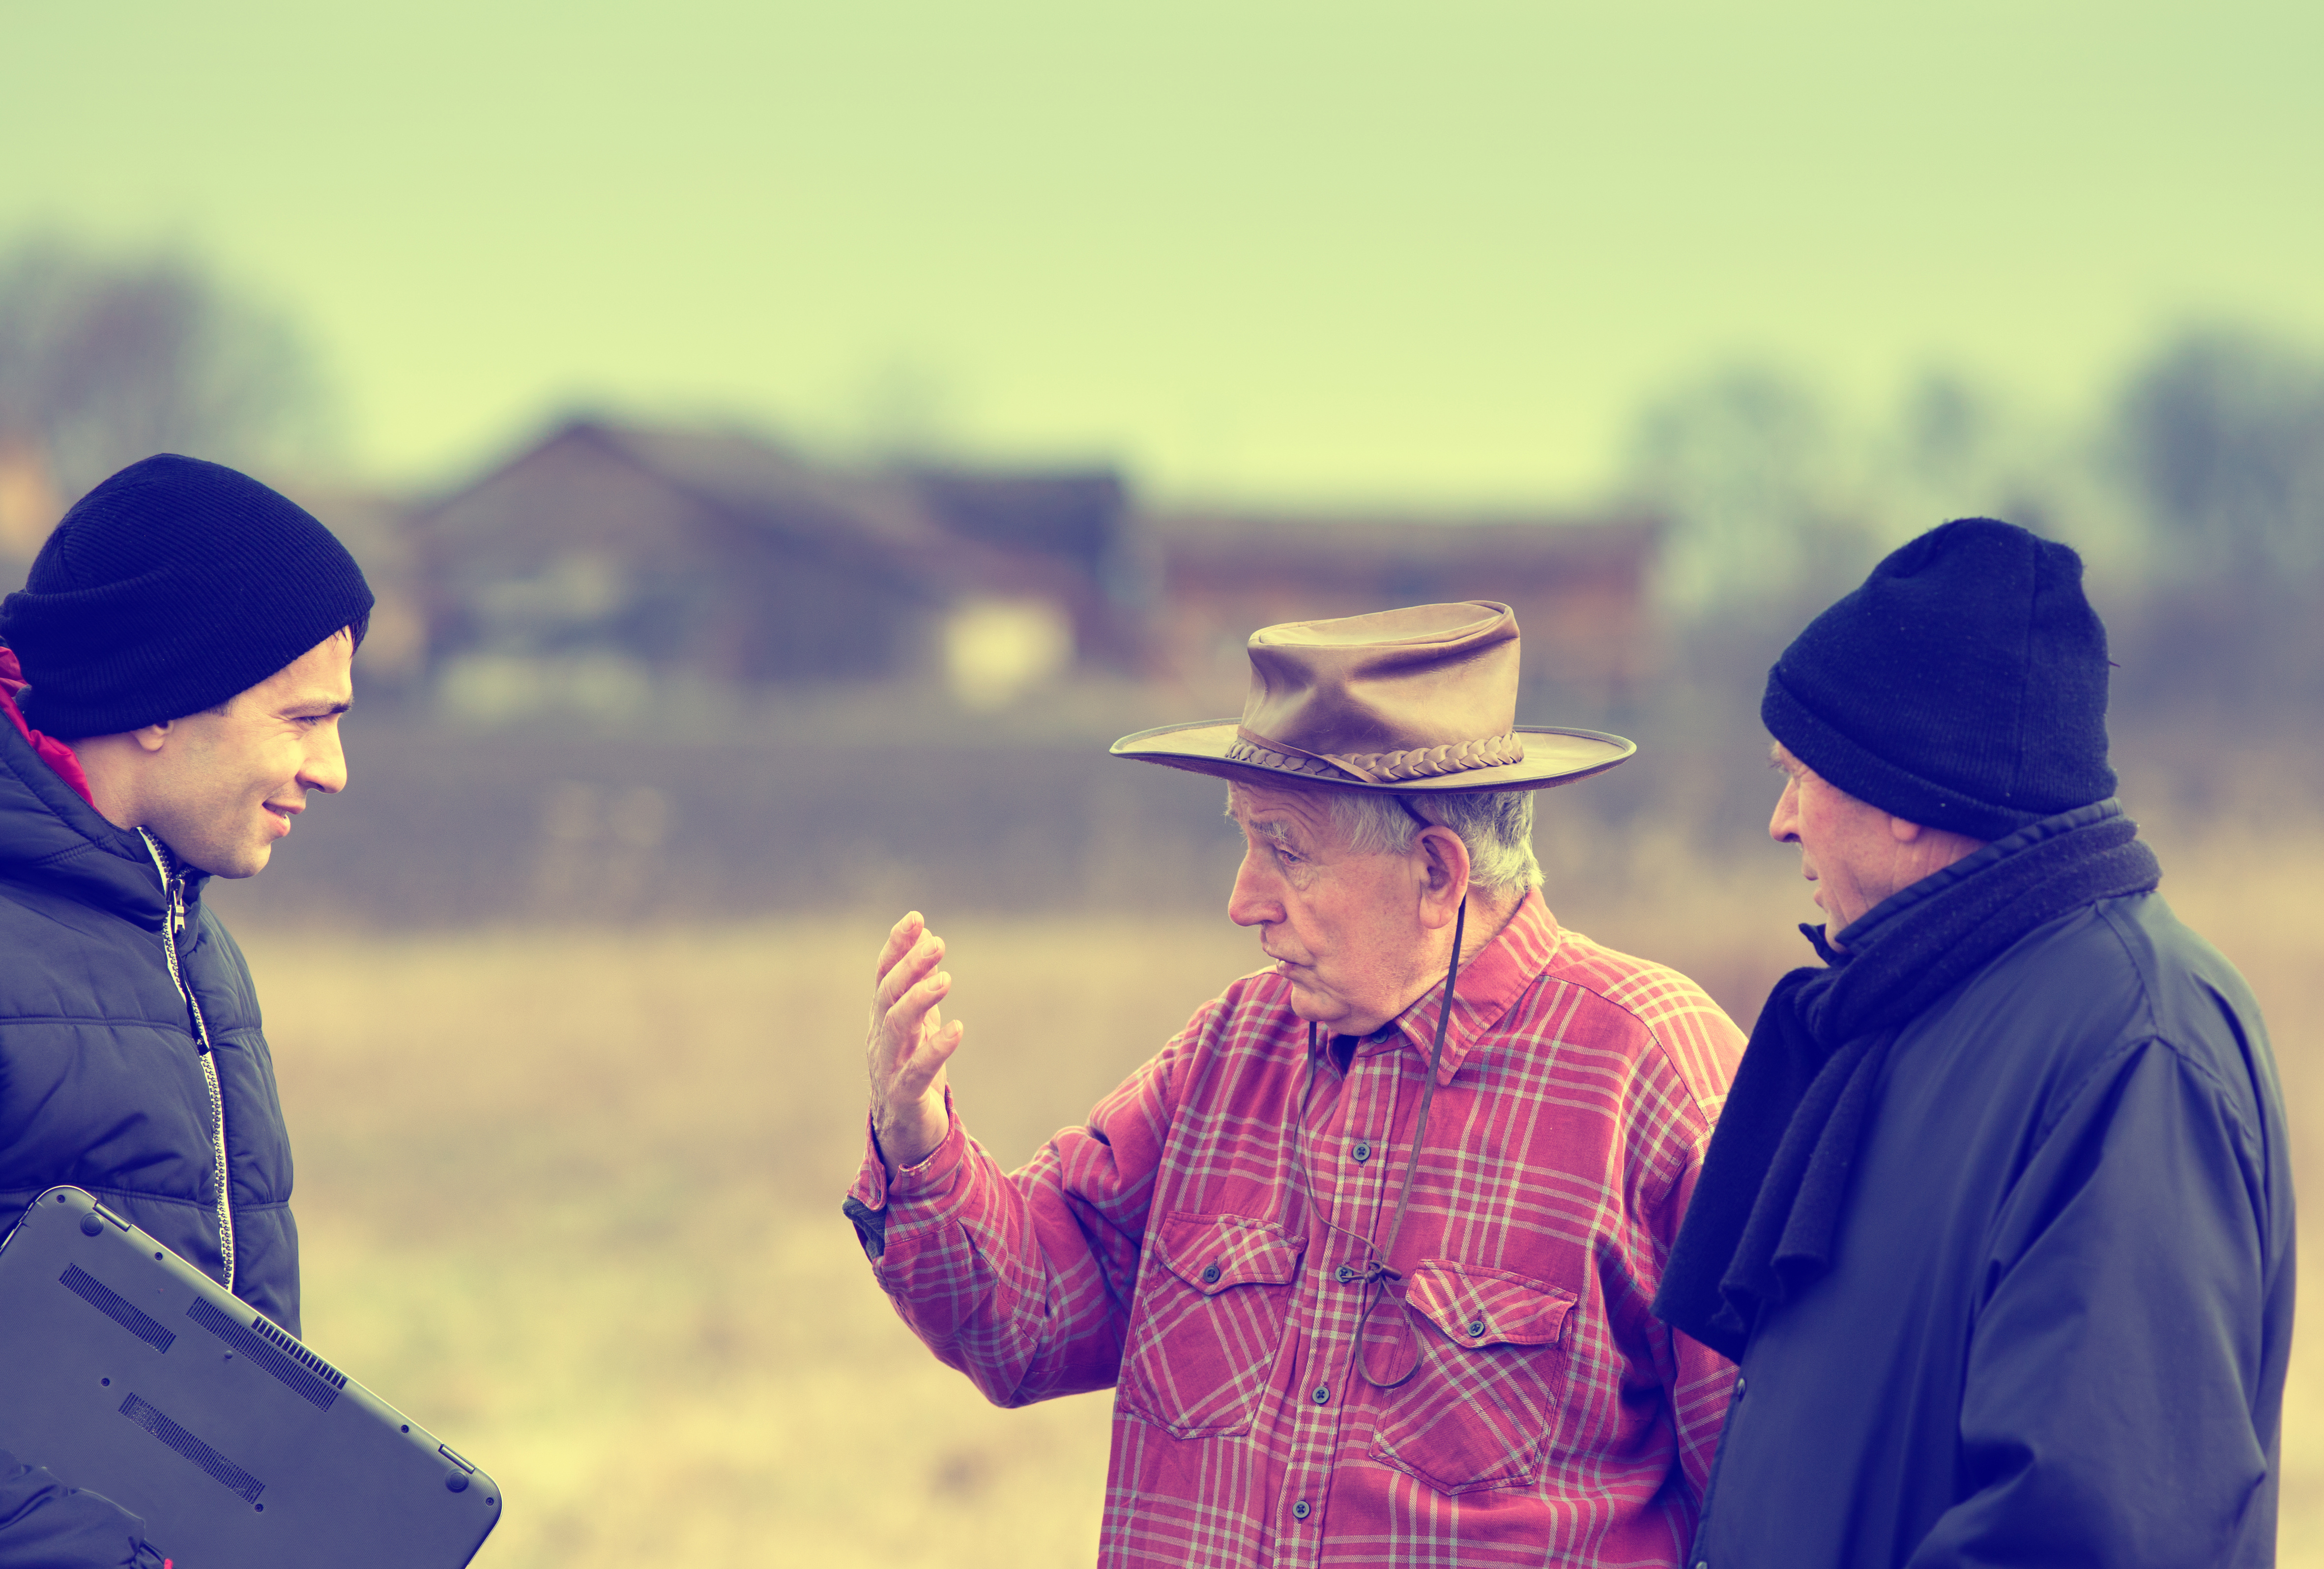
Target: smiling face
220,787
1350,931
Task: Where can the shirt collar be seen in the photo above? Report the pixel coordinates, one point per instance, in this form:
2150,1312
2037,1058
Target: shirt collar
1487,985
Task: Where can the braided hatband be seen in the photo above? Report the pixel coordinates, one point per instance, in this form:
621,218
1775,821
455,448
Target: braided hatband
1386,767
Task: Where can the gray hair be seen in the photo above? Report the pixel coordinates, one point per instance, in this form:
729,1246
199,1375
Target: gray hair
1496,826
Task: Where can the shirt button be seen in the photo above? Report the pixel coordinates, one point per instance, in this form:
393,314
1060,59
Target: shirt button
1209,1274
1300,1511
1344,1273
1476,1329
1323,1394
1362,1152
1738,1385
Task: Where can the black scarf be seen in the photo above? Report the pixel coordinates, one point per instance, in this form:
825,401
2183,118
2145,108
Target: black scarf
1761,1224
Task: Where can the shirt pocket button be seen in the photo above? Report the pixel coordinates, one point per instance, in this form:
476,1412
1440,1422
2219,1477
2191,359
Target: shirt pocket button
1211,1309
1480,1410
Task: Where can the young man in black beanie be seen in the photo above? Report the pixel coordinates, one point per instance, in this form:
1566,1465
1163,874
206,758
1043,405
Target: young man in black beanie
170,686
1998,1217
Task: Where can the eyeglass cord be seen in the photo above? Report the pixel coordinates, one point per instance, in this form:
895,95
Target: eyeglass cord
1378,1279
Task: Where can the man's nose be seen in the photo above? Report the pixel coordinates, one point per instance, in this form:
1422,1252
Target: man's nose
1784,828
325,768
1250,903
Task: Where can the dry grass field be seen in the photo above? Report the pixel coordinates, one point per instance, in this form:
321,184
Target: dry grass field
570,1196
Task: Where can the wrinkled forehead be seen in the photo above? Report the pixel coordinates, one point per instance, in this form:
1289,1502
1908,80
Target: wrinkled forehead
1304,812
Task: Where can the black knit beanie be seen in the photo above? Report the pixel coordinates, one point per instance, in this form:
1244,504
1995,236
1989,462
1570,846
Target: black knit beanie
1964,687
166,590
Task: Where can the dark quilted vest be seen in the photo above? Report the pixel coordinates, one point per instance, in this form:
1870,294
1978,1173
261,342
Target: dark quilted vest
101,1084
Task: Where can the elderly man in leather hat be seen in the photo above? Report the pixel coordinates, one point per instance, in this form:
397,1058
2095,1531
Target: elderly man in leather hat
172,678
1999,1221
1366,1250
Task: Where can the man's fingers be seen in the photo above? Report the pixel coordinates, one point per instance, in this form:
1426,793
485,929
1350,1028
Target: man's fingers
904,1020
905,972
918,1074
911,1042
901,938
898,1033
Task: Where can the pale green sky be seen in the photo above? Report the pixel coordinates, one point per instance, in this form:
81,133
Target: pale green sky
1259,248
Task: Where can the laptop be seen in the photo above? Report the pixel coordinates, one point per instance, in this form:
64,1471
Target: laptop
126,1370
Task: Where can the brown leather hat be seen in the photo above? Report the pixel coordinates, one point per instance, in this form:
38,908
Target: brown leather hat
1422,698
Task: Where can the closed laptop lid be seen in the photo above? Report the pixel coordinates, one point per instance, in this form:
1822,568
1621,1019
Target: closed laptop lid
126,1370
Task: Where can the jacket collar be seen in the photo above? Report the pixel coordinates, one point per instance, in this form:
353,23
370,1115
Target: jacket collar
54,753
1487,985
51,839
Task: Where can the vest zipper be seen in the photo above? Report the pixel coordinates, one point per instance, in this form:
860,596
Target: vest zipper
173,883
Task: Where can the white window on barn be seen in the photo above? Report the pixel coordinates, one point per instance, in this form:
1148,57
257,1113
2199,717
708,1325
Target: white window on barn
996,650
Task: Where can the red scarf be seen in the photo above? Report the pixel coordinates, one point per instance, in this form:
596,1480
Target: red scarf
54,753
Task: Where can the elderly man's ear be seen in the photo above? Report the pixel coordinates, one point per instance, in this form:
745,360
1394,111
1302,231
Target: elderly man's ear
1941,846
1444,875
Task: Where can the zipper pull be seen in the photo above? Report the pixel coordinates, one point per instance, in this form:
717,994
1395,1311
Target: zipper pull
176,918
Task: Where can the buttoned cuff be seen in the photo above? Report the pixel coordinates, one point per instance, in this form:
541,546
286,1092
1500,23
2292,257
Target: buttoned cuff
868,1201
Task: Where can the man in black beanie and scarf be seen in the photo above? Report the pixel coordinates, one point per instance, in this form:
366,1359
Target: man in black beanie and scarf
1998,1218
171,678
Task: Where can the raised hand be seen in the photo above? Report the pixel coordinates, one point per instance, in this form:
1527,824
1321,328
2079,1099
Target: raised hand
909,1044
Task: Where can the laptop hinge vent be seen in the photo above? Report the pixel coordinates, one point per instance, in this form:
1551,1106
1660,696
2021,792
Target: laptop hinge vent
303,1372
321,1369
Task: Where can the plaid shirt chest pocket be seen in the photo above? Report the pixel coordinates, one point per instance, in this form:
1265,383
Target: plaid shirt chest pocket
1479,1409
1208,1319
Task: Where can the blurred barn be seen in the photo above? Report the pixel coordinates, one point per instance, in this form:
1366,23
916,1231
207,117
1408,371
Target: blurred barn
608,560
620,561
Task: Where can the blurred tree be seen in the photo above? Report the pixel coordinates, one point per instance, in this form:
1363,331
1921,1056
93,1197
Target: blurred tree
1949,439
2221,435
105,360
2220,438
1960,447
1758,488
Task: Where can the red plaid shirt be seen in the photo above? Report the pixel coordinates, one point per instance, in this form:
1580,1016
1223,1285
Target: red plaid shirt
1165,1250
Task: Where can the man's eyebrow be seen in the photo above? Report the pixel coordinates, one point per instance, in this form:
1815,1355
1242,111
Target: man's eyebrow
1274,828
1280,832
316,708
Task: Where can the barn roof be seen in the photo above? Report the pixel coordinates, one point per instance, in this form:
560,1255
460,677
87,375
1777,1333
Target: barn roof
1366,542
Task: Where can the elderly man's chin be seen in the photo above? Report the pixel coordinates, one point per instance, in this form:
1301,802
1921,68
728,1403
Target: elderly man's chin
1316,1006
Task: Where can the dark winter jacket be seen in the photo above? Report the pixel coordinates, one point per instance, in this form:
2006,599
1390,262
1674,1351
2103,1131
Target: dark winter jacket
2056,1321
103,1081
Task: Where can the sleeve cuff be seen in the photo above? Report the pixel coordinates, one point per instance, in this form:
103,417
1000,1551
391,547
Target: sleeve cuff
867,1201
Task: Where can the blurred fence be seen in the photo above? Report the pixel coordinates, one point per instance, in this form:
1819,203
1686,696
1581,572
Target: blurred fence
446,827
442,826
